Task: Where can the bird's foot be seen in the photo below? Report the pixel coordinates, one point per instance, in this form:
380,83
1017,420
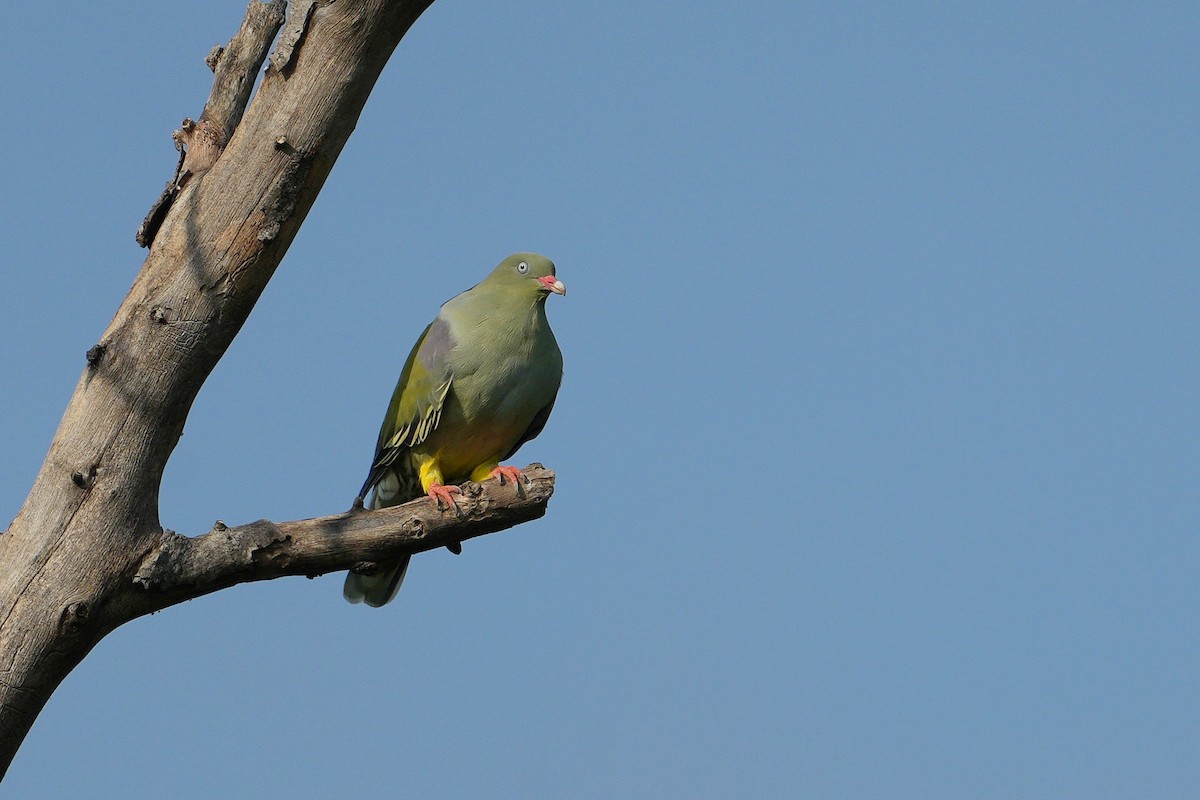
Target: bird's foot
514,474
357,505
440,492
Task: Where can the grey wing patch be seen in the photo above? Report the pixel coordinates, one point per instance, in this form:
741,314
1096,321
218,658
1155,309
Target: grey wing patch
434,354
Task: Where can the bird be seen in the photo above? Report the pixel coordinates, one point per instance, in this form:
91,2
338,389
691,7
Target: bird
479,383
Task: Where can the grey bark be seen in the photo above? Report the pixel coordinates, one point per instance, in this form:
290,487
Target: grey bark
87,551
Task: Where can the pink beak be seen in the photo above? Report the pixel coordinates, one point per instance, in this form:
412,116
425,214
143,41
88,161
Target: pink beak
553,284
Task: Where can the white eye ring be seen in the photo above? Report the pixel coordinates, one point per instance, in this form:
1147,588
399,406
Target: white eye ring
522,267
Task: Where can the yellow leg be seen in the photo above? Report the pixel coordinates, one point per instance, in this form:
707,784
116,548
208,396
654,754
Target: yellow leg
492,469
484,471
430,473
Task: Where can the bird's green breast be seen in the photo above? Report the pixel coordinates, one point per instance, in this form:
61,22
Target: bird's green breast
505,368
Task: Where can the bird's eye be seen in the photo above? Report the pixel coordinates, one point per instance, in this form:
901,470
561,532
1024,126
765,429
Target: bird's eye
522,267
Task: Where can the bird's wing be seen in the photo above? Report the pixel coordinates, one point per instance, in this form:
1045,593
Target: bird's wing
416,406
535,427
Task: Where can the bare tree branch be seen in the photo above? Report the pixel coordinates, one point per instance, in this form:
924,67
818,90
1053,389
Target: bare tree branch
200,143
181,568
69,559
297,26
237,64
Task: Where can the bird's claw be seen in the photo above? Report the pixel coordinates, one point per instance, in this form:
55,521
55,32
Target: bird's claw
440,492
514,474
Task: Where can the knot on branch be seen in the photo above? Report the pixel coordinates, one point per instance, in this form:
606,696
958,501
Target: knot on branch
95,353
85,479
74,618
201,144
162,561
214,56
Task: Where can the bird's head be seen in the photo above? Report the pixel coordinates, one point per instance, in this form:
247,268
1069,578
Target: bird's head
527,273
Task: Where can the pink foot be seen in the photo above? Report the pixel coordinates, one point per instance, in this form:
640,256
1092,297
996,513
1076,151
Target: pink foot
512,473
440,492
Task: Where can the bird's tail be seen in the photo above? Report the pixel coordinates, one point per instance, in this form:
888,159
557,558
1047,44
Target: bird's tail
377,589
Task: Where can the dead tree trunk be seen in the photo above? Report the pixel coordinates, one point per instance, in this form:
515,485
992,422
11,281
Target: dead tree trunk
87,551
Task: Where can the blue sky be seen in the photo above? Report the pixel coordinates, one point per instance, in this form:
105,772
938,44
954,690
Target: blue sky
877,445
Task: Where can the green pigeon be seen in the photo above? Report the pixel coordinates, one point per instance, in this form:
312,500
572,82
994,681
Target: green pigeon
479,383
